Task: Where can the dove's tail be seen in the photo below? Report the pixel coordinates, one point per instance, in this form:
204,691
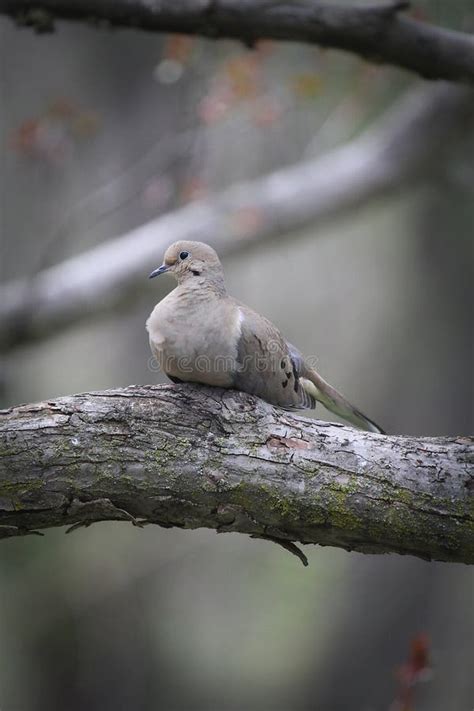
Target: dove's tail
332,400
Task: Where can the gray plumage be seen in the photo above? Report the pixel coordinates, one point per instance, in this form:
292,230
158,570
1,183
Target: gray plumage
199,333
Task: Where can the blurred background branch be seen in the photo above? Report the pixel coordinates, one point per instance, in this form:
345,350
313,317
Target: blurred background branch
107,132
193,457
401,149
374,30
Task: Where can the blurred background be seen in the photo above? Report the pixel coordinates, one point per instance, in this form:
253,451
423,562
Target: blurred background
103,131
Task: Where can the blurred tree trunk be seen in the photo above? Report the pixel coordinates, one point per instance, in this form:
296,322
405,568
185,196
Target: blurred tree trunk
389,601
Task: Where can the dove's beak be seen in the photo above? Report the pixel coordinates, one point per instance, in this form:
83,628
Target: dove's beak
161,270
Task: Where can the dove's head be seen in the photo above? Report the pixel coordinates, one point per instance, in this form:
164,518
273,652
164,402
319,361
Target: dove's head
187,260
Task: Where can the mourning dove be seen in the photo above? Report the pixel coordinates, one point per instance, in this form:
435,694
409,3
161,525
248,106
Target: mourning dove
199,333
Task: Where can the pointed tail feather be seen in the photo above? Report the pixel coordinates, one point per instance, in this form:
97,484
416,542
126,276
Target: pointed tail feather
332,400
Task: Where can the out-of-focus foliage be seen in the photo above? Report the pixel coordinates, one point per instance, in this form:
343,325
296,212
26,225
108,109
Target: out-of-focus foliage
103,131
415,670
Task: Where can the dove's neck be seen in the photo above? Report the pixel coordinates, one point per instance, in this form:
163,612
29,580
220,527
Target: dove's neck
202,286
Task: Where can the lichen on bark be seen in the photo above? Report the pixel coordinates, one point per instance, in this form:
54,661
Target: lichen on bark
192,457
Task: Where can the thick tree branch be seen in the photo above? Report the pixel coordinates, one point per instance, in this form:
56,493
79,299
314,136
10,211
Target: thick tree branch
374,30
406,145
193,457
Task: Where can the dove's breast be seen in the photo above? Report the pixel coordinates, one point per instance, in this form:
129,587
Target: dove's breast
196,339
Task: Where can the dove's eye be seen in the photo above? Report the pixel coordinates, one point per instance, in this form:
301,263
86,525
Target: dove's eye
183,255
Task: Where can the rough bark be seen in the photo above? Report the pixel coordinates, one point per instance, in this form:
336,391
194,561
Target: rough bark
405,145
375,30
193,457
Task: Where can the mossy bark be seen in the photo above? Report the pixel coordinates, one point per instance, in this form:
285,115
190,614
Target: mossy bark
194,457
